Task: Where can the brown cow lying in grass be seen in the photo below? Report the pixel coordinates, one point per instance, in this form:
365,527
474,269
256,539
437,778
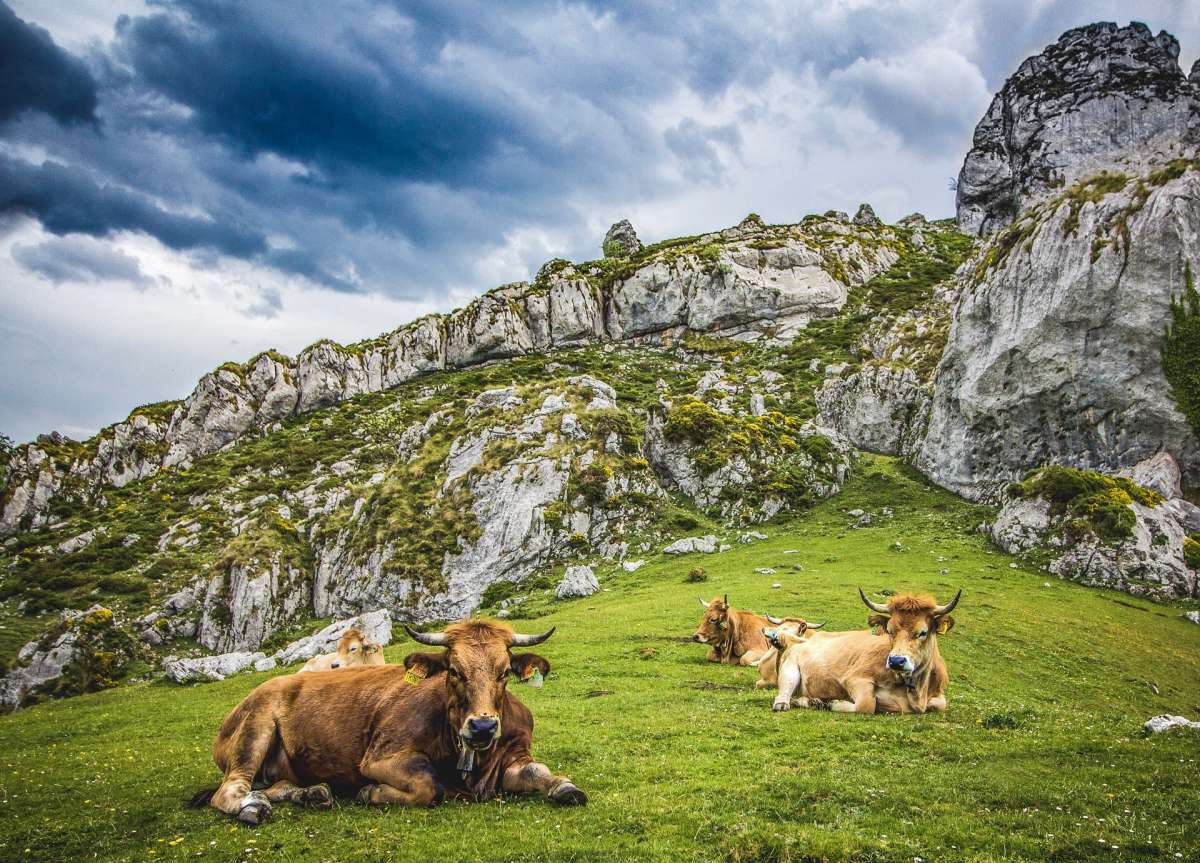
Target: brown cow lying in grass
352,650
861,672
526,667
735,636
460,733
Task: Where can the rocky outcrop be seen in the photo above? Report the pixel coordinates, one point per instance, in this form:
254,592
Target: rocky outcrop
621,241
749,282
1149,560
1055,351
84,652
1101,97
251,601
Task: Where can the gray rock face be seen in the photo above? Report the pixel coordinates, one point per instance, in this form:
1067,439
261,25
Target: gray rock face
1055,352
878,408
1101,97
621,241
244,607
578,581
376,626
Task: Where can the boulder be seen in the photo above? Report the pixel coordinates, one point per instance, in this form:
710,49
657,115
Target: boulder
621,241
1165,722
706,544
578,581
209,668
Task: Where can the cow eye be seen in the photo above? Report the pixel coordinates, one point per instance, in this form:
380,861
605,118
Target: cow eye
922,633
353,649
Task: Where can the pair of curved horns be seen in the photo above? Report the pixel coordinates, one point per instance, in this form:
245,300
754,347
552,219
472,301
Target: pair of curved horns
440,639
937,612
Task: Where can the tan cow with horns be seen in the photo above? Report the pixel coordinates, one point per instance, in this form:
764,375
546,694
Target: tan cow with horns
735,637
460,733
862,672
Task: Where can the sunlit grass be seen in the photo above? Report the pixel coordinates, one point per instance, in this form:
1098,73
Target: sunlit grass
1040,756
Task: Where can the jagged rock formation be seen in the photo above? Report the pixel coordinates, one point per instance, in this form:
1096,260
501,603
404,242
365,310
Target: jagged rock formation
1101,97
750,281
621,241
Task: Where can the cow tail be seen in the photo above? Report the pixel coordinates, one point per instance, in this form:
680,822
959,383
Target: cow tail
202,798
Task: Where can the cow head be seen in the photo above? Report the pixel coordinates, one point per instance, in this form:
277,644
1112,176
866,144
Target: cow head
350,649
714,625
913,622
478,663
786,631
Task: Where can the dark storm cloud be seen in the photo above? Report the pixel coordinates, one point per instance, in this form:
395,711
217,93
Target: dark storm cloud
79,259
36,75
374,145
66,200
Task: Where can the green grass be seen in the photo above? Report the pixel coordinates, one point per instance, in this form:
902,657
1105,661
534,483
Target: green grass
1039,757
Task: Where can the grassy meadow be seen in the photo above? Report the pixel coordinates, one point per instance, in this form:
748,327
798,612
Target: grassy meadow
1040,756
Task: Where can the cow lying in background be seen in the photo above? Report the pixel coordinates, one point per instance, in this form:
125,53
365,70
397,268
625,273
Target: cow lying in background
735,636
782,633
352,649
460,733
861,672
526,667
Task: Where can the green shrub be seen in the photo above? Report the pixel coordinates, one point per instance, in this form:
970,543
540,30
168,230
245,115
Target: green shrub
1181,350
1092,502
1191,551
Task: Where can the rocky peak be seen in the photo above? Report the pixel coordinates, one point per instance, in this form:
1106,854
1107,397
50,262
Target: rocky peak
1101,97
866,218
621,241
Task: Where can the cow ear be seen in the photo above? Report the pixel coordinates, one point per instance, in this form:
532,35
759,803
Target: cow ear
878,622
944,624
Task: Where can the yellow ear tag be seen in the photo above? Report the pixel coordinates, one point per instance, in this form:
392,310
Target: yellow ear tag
943,625
413,676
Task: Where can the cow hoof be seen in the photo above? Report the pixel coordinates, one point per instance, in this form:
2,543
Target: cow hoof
256,810
317,797
566,794
780,706
364,794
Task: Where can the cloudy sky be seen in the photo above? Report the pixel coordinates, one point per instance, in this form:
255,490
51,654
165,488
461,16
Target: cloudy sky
184,182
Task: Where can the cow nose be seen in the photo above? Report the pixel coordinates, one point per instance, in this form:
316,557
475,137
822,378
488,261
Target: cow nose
483,726
895,661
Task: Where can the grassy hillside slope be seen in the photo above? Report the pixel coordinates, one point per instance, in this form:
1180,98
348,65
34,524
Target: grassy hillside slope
1039,757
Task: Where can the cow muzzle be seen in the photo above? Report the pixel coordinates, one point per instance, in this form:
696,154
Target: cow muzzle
699,639
480,732
900,664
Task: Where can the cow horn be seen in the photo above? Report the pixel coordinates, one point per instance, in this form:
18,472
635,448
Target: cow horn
948,607
531,640
433,639
704,605
820,625
774,620
874,606
726,600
